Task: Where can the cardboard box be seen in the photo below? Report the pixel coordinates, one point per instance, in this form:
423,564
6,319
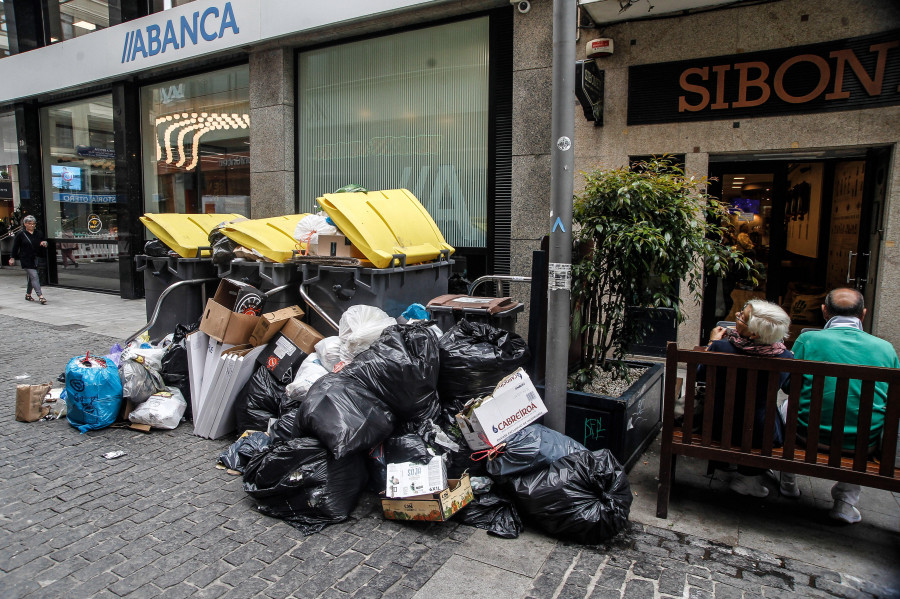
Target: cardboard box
304,336
337,246
272,322
433,507
512,406
282,357
232,315
406,479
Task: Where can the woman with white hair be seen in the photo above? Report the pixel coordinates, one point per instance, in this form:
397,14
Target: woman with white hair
760,329
27,246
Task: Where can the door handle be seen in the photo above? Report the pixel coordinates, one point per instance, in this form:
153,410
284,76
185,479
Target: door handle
850,263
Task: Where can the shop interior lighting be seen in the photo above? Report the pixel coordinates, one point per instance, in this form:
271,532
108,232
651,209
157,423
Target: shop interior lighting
197,125
85,25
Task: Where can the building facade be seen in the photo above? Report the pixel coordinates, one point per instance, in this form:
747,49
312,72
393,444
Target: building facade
256,107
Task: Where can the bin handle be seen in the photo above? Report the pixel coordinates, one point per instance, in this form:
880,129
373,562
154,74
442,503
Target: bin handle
141,263
316,307
159,302
501,278
201,249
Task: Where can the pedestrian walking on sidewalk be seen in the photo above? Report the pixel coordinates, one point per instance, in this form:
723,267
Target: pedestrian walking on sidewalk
29,246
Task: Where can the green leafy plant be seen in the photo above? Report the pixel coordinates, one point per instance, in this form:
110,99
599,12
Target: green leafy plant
640,232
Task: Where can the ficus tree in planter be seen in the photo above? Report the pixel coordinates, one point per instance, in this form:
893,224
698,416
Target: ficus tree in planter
636,226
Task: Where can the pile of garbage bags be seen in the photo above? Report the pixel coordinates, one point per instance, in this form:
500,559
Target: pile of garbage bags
382,393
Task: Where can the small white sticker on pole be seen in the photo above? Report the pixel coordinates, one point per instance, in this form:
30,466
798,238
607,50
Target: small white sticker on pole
560,277
563,143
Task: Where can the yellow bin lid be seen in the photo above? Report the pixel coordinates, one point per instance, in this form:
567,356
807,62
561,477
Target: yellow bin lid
383,223
184,233
271,237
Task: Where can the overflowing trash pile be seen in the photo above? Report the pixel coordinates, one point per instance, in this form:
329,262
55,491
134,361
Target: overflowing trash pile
429,406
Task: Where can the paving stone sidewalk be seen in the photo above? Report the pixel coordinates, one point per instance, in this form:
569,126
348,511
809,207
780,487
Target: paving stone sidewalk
163,521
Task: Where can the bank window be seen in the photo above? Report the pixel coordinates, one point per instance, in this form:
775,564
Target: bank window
68,19
196,141
408,110
9,170
4,35
158,5
79,170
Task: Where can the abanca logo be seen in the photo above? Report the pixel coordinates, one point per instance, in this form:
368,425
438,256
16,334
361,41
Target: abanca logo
153,40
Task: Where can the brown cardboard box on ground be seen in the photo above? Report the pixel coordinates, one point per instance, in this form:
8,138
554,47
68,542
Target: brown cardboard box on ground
272,322
337,246
433,507
232,315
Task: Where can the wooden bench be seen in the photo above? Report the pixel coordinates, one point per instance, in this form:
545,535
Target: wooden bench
862,467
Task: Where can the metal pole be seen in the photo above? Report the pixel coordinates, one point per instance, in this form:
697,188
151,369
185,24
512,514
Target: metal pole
562,182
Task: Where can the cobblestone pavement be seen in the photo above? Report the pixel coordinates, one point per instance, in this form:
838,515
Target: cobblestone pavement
162,521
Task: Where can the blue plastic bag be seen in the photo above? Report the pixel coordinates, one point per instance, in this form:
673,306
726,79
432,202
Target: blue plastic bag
93,393
416,312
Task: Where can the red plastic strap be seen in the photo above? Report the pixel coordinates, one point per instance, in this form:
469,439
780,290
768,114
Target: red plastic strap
305,251
490,453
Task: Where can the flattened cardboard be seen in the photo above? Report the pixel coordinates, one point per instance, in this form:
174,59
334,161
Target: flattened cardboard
272,322
408,479
514,405
434,507
304,336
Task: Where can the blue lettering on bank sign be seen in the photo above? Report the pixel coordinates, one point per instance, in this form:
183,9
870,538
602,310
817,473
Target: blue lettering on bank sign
178,33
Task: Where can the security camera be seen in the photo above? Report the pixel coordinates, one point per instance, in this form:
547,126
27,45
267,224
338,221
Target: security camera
523,5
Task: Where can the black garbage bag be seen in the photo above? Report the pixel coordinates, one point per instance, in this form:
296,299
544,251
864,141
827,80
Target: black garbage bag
401,367
156,249
533,448
175,364
258,401
584,497
474,356
458,284
285,427
300,482
494,513
397,449
345,415
242,451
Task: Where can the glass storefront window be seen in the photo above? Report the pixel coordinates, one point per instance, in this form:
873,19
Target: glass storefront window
9,170
4,35
408,110
158,5
79,162
196,143
69,19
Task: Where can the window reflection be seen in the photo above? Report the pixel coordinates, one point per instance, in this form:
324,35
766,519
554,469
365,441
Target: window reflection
69,19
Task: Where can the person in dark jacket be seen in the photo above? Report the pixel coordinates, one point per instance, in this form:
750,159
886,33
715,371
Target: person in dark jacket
760,328
27,246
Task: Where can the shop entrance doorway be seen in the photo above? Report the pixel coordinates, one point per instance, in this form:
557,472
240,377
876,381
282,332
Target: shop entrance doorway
810,225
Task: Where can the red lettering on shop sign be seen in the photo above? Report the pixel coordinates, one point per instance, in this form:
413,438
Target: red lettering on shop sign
754,75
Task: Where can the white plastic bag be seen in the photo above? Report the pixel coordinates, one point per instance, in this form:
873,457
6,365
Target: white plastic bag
310,227
309,372
329,352
161,410
149,357
359,328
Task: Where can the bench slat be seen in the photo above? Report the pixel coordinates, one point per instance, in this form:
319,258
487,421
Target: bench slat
815,417
889,434
864,424
838,417
771,414
708,402
690,397
790,429
749,410
728,408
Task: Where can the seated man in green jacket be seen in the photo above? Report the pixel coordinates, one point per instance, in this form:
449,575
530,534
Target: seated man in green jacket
842,341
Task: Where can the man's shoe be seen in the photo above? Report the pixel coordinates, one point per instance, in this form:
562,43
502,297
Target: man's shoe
787,483
748,485
845,512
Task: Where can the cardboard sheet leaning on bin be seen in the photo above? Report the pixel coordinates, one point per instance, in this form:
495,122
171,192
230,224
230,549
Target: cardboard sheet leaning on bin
384,224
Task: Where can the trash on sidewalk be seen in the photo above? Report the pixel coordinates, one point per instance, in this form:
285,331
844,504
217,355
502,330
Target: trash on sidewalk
235,458
514,404
406,479
163,409
113,454
431,507
29,402
93,393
